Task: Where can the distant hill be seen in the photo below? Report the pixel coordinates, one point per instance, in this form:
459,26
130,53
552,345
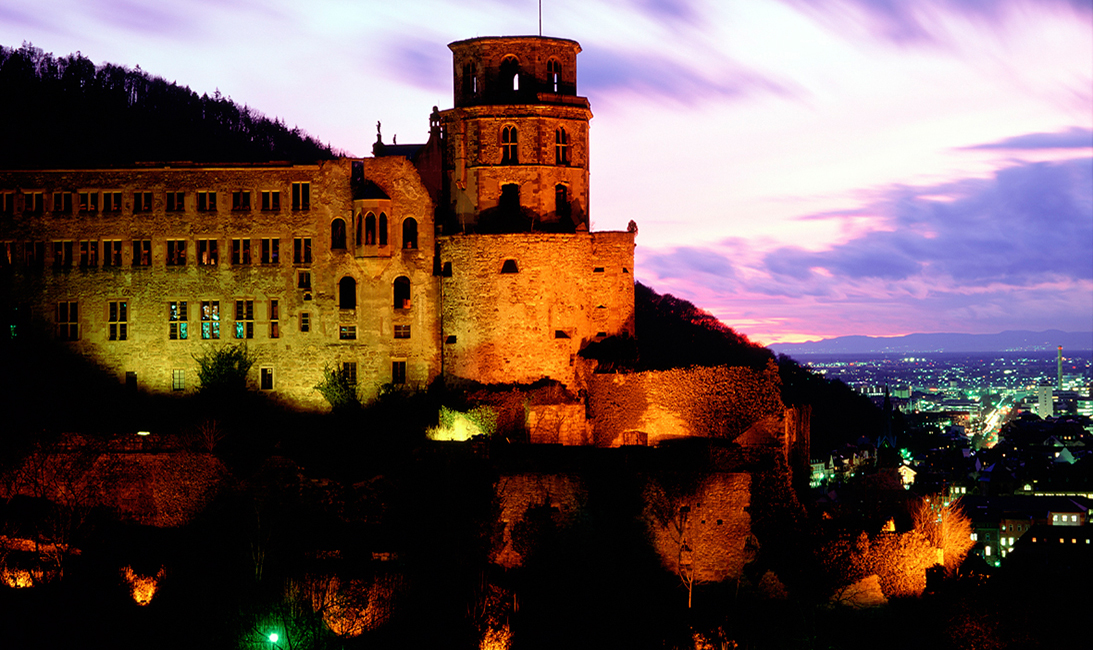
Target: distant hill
1012,340
68,112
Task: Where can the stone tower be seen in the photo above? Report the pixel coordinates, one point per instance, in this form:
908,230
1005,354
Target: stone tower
516,142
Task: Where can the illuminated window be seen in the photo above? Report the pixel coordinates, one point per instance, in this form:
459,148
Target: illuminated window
206,201
241,200
62,254
305,321
176,252
177,320
240,251
178,379
402,331
271,200
68,321
266,378
142,201
554,74
89,254
176,201
301,196
271,251
111,252
509,146
337,234
142,252
111,201
975,537
119,320
561,147
301,250
409,233
274,319
210,319
62,202
398,372
207,254
347,332
244,319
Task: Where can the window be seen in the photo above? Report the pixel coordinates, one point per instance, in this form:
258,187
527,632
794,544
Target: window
510,73
451,339
305,321
347,332
597,269
509,266
446,270
68,321
32,202
383,229
142,252
266,378
271,251
554,74
34,254
240,200
402,331
176,201
206,201
177,321
176,252
111,252
89,201
402,292
240,251
7,202
178,379
347,293
142,201
510,200
119,320
468,78
303,280
62,202
274,319
210,319
509,146
301,196
244,319
561,201
206,252
337,234
409,233
370,229
561,147
111,201
62,254
271,200
349,372
561,334
398,372
89,254
301,250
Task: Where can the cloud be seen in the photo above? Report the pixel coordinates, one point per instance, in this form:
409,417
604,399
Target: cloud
1075,137
419,62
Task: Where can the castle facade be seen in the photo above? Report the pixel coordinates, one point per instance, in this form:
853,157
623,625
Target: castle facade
468,256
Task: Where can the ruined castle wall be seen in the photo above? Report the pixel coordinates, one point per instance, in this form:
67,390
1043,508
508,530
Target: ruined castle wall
722,402
295,358
517,327
564,494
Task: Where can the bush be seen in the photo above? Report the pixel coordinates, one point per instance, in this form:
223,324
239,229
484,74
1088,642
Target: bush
224,370
339,389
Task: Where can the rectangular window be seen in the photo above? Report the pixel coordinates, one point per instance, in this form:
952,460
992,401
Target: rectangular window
142,201
176,201
347,332
32,202
240,251
62,203
178,379
240,200
34,254
305,321
303,280
206,252
266,378
349,372
119,320
274,319
271,200
68,321
62,254
177,321
210,319
176,252
301,250
398,372
7,202
89,201
142,252
111,252
206,201
111,201
271,251
402,331
301,196
244,319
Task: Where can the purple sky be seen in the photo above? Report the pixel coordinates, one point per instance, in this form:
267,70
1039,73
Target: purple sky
800,168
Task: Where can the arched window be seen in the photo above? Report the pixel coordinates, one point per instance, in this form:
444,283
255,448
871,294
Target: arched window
468,78
337,234
347,293
402,292
510,73
409,233
370,230
509,145
561,146
383,229
561,200
554,74
360,230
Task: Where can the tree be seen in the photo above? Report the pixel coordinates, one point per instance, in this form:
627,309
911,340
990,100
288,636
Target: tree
340,389
223,371
946,527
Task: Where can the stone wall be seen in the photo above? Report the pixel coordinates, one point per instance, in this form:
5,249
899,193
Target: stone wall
564,494
558,424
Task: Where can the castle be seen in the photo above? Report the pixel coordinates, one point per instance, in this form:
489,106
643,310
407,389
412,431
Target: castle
466,257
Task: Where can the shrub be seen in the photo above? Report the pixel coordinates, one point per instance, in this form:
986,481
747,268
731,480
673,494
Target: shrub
224,370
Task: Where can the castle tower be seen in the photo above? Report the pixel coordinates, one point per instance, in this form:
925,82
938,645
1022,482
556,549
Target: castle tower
516,142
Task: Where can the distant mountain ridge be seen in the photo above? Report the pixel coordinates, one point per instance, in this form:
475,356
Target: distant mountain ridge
1010,340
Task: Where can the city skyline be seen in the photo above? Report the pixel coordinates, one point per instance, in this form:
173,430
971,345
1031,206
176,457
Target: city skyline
806,169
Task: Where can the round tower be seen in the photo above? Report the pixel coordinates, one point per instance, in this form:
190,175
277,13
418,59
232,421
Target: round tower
516,143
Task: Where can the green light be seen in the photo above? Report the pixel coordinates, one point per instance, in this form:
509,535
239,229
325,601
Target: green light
273,637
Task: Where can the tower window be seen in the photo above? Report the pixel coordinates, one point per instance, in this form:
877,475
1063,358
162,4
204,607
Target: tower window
337,234
561,200
370,230
401,290
510,73
554,74
509,267
509,146
383,229
347,293
409,233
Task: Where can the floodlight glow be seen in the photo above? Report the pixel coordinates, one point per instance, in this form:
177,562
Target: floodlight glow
273,637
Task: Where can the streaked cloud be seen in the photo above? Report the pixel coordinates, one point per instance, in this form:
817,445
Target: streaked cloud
1075,137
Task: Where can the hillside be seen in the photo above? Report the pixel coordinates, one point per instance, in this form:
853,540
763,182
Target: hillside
61,112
